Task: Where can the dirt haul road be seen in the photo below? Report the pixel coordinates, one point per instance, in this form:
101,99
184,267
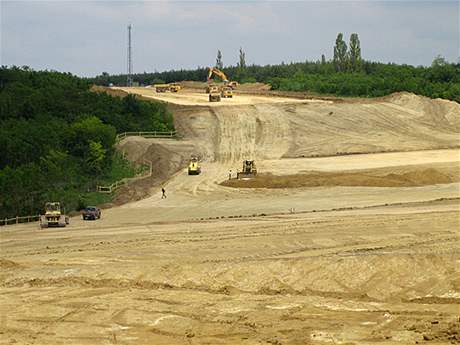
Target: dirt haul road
218,265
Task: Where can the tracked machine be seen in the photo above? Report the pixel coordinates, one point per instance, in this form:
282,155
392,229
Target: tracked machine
214,71
53,216
249,170
194,167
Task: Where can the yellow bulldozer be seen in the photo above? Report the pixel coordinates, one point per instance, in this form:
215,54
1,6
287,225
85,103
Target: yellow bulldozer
53,216
249,170
194,167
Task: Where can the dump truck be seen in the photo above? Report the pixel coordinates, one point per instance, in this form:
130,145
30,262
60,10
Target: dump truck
194,167
249,170
226,92
174,87
214,94
53,216
171,87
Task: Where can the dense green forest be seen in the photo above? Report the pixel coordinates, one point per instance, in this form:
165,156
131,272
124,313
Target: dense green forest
374,79
57,137
346,74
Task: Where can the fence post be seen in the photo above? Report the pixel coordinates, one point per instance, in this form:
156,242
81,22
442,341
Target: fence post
17,220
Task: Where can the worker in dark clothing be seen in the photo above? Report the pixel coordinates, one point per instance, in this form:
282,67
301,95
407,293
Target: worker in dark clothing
163,195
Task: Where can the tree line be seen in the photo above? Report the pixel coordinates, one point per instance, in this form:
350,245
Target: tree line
57,137
346,74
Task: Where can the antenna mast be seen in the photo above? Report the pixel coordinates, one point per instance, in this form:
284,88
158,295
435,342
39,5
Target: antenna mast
129,80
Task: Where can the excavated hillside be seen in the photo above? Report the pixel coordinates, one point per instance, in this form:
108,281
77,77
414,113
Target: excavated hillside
228,133
269,131
362,249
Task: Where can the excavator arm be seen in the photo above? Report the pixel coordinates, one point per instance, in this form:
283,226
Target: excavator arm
217,72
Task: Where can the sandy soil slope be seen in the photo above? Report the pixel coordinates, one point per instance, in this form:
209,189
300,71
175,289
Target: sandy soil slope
217,265
378,275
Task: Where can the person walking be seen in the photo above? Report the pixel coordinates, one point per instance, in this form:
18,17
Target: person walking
163,193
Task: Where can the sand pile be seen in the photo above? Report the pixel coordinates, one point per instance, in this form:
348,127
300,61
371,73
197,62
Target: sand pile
370,178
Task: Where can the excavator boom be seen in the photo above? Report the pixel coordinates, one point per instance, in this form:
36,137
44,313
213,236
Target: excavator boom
217,72
214,71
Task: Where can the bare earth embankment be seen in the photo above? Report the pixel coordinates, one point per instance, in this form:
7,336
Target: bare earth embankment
350,234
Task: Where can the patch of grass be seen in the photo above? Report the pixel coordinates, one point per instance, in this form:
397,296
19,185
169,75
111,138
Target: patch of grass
94,199
121,168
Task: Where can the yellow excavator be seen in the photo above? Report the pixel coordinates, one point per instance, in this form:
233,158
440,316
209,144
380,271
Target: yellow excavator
214,71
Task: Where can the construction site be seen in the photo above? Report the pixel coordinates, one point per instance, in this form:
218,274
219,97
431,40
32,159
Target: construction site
284,220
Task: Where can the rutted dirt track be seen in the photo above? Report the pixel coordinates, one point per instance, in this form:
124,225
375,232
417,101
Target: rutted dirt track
218,265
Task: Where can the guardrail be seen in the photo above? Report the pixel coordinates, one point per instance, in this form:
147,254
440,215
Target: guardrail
151,134
114,186
18,220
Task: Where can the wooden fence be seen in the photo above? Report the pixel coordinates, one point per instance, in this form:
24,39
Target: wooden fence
151,134
17,220
114,186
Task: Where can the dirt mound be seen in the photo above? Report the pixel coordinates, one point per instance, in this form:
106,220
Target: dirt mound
369,178
438,331
441,113
167,157
254,87
108,90
8,264
271,131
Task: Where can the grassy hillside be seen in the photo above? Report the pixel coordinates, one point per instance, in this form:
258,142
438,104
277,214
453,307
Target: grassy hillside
57,137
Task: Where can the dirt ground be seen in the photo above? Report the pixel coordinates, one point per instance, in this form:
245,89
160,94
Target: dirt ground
212,264
196,97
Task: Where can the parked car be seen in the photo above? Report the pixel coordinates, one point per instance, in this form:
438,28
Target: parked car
91,212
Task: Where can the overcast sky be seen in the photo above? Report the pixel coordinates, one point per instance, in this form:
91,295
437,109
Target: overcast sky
88,38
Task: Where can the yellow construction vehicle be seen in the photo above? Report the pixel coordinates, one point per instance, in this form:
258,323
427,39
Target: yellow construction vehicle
226,92
214,94
194,167
53,216
161,87
171,87
214,71
249,170
174,87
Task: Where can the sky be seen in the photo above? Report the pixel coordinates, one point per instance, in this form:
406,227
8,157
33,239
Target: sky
90,37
